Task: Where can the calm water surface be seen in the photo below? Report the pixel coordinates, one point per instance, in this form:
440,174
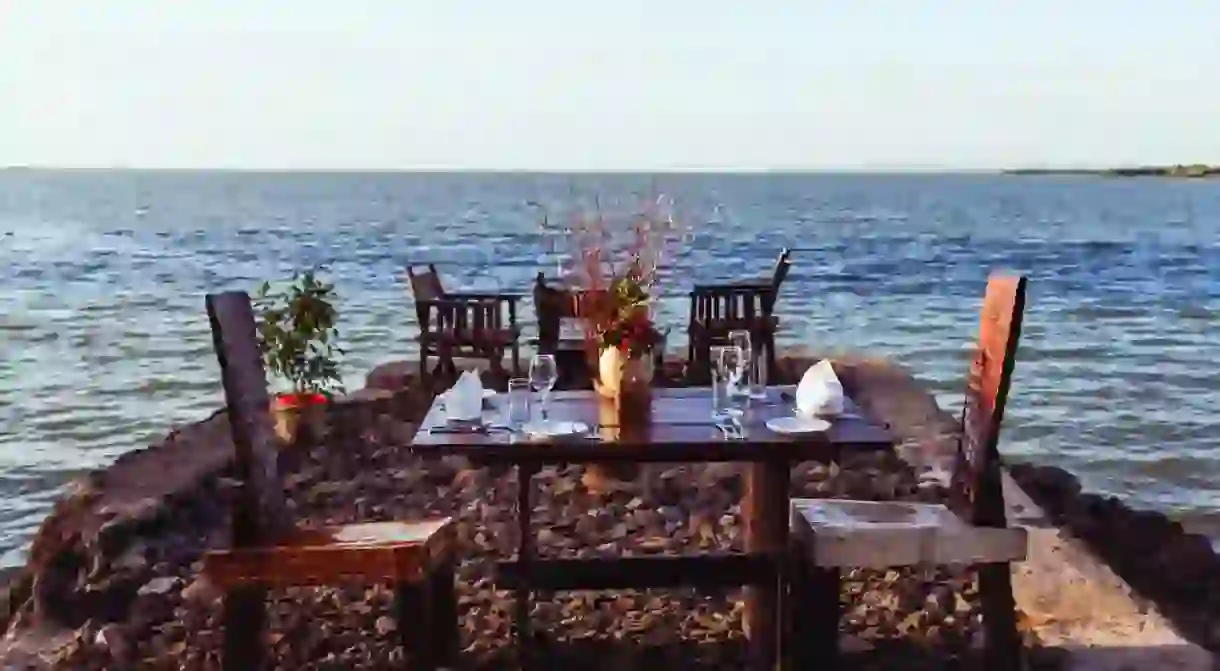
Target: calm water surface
104,344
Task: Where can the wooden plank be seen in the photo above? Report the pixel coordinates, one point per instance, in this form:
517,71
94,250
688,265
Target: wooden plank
978,479
765,516
259,513
882,534
525,557
987,389
372,552
704,570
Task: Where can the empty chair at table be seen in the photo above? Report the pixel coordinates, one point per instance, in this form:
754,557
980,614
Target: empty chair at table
555,307
829,535
270,551
719,309
462,325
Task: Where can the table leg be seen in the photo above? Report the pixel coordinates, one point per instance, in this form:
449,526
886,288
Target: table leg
764,512
525,553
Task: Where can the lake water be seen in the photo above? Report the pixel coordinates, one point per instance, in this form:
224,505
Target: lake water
104,343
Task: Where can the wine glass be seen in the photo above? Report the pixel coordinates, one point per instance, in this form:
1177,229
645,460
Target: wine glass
543,375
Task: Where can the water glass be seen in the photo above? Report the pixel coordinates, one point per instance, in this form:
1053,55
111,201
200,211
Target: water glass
726,367
741,340
518,402
543,375
754,371
758,376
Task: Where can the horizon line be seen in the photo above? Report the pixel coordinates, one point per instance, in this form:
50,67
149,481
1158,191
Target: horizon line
676,170
501,170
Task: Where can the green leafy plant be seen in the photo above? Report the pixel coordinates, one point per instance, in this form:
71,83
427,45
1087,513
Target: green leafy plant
297,334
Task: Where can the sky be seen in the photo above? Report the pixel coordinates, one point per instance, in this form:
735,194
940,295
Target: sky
621,85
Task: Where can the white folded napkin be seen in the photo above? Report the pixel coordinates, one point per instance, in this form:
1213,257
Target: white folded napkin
464,400
820,391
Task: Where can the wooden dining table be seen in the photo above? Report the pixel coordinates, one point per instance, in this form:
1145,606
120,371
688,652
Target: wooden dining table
680,430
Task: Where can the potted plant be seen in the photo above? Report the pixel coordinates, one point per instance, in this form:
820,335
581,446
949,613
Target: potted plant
297,336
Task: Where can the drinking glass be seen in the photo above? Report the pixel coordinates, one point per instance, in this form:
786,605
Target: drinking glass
518,402
741,340
758,381
543,375
755,373
726,371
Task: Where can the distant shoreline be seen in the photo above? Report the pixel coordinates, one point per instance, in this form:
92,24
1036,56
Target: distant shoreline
1196,171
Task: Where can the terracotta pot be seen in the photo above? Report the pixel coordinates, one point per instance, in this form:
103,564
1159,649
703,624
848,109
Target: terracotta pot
299,417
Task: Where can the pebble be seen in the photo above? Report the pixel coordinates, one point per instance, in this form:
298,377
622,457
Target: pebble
159,586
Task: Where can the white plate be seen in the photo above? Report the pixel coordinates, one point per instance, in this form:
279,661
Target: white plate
489,393
555,429
793,424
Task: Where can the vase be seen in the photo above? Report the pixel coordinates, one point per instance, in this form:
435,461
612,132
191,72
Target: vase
624,385
627,380
299,418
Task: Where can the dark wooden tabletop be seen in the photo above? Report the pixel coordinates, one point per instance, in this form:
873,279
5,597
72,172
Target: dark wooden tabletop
681,430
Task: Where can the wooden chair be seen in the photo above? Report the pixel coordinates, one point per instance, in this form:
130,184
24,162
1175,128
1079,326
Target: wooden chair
718,309
462,325
829,534
573,356
268,550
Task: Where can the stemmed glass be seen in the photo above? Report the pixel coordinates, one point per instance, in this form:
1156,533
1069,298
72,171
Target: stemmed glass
543,375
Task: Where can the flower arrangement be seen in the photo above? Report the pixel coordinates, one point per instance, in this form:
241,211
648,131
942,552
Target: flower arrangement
626,324
619,276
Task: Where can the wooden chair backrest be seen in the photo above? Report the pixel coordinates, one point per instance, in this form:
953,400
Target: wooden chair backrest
782,265
259,511
728,307
425,286
467,320
552,305
978,484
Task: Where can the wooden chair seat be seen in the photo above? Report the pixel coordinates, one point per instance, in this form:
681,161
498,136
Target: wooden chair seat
883,534
393,552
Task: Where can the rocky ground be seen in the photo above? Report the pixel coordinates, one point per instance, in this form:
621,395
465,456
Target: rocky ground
1178,571
909,619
